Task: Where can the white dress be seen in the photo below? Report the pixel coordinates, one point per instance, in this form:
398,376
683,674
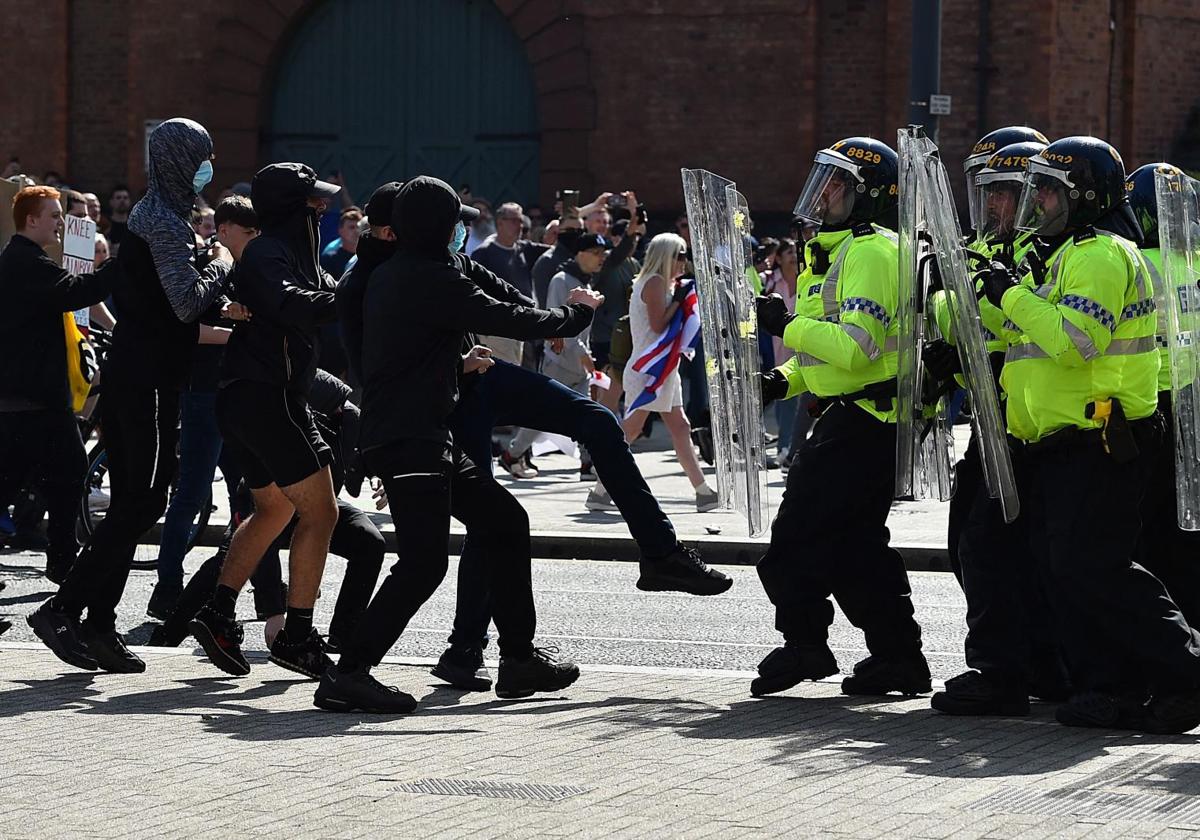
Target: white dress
670,393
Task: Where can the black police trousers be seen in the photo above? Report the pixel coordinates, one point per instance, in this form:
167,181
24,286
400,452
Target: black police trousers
830,537
427,482
1010,634
1166,550
140,426
1117,624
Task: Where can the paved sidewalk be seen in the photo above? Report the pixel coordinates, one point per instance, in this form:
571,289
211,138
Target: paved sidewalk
183,752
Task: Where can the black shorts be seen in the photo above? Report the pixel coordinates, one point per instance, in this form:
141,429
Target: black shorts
270,433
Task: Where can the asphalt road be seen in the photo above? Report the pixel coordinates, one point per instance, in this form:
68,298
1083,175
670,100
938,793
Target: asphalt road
590,610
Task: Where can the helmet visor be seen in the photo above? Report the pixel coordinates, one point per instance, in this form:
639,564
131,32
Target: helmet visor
829,193
996,196
972,193
1044,207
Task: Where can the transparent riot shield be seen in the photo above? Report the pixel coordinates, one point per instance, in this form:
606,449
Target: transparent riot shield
940,224
719,220
1179,241
924,437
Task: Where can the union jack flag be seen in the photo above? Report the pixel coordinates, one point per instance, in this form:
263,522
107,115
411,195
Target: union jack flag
662,357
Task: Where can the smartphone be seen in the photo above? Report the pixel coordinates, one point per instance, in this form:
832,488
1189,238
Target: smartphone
617,200
570,202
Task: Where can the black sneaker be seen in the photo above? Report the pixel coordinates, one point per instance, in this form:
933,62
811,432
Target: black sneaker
539,672
791,665
682,571
358,691
164,600
876,676
170,634
108,649
463,669
221,637
59,631
973,693
306,656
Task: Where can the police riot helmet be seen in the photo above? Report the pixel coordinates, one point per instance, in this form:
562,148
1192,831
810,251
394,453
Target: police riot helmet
997,189
1069,185
854,180
987,146
1140,190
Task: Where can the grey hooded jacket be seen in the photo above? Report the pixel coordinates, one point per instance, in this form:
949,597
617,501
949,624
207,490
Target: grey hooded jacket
160,295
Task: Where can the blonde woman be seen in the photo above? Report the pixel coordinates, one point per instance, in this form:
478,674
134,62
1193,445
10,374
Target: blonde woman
657,294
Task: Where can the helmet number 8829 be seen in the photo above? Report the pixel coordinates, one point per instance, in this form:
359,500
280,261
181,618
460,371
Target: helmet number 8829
864,155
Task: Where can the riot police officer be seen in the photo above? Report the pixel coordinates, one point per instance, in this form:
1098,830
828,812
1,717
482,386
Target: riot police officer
1165,549
1081,380
830,535
1011,646
983,151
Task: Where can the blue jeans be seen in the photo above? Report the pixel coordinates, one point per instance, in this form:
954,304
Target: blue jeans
511,396
199,453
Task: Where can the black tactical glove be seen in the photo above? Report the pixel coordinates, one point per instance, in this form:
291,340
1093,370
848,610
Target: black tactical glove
774,386
773,315
997,279
941,360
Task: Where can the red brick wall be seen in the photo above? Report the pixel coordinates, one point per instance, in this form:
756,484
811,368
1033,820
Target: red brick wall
33,93
629,90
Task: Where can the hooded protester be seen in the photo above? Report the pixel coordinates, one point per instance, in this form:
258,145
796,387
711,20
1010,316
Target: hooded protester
262,410
417,312
161,296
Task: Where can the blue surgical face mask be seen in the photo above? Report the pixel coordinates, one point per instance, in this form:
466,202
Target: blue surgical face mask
460,238
202,177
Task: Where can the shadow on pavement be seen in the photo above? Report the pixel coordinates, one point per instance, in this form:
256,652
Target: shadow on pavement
822,734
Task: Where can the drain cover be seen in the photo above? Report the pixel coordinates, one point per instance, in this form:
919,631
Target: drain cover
492,790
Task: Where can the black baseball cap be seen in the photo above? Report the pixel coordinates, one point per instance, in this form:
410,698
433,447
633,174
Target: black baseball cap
291,182
591,242
379,208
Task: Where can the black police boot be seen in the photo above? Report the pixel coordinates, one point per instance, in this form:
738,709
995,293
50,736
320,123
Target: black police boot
1169,714
304,656
357,690
1101,710
973,693
791,665
540,671
59,631
164,599
877,676
681,571
108,649
463,668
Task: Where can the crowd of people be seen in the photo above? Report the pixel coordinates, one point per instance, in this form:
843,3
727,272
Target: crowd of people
430,319
231,344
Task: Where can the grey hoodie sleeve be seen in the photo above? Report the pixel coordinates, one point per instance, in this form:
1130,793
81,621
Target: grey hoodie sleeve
190,292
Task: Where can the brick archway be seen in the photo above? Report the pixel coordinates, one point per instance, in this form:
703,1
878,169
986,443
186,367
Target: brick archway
250,44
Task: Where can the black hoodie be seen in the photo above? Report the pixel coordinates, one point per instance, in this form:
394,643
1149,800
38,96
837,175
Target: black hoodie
418,309
159,292
287,292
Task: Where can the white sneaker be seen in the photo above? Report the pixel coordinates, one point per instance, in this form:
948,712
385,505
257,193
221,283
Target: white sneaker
598,499
516,467
98,499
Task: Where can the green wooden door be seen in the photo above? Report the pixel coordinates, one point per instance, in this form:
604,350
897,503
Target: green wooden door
388,89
